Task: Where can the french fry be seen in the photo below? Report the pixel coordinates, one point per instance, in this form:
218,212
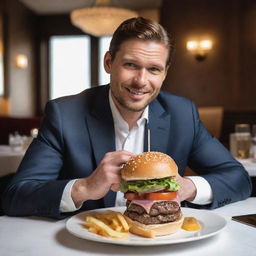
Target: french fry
109,224
87,225
93,229
115,223
102,233
105,228
123,222
118,228
112,213
103,218
142,232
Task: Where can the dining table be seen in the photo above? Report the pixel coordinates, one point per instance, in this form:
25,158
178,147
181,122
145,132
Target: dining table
10,159
249,165
40,236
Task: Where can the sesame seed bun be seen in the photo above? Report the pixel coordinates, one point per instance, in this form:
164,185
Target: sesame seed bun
149,165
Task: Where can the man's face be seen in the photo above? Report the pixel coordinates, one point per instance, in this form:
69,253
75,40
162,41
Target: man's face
136,73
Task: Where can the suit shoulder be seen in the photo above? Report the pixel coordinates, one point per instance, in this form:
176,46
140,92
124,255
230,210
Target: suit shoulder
170,99
82,98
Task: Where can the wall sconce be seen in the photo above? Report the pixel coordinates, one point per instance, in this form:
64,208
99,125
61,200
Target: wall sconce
199,48
21,61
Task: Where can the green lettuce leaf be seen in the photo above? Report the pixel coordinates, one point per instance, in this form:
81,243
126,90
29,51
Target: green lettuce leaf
141,186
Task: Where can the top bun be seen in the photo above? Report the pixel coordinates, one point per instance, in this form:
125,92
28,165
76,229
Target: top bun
149,165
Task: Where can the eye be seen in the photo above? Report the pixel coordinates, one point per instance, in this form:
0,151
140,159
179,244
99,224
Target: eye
154,70
130,65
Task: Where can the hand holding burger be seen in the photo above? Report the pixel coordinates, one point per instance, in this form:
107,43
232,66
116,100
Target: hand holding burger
106,176
151,190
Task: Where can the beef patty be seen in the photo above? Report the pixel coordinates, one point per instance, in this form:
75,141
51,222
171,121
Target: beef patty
160,212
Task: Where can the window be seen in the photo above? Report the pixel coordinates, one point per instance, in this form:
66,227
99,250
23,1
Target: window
104,42
1,73
70,67
1,58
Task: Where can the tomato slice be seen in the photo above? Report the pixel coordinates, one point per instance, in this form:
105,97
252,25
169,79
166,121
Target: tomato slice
161,195
151,196
132,196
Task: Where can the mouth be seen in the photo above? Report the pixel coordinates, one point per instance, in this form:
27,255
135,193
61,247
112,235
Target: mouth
135,92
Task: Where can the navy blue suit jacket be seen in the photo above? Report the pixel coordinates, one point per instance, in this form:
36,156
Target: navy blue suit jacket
78,130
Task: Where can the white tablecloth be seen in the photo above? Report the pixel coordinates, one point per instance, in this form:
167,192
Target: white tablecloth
9,159
34,236
250,166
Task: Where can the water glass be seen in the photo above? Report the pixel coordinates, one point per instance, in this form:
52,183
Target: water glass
242,128
16,142
253,147
240,145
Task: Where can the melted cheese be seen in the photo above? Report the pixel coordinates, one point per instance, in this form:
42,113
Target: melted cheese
147,204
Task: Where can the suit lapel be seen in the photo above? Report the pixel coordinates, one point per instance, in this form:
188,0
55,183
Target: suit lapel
159,126
101,128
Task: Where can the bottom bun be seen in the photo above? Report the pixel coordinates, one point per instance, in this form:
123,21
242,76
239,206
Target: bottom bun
151,231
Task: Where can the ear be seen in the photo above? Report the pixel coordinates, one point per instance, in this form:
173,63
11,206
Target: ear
166,71
107,62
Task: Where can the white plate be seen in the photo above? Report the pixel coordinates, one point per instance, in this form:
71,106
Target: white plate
211,224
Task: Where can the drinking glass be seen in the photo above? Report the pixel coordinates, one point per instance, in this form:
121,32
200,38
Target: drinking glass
240,141
254,130
242,128
253,147
16,142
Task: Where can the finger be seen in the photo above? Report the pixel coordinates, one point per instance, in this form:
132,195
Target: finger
119,153
117,159
115,187
179,178
124,152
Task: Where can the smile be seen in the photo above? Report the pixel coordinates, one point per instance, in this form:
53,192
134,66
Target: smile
135,92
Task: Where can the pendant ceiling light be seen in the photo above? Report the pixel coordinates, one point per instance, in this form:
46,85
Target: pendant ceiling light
101,19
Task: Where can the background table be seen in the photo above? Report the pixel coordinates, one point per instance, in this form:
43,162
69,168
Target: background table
30,236
9,159
250,166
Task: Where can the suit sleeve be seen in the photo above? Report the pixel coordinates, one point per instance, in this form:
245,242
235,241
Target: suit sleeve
228,179
35,188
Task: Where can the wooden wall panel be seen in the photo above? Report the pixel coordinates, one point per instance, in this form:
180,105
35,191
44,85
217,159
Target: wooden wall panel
227,77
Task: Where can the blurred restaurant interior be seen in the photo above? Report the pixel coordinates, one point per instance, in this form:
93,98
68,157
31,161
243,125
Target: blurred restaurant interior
53,48
220,74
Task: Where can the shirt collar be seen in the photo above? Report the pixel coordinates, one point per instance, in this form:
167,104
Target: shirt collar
118,119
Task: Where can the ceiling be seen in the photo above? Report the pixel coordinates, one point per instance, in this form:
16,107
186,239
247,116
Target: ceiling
48,7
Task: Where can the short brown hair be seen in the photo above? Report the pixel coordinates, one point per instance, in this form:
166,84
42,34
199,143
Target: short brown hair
143,29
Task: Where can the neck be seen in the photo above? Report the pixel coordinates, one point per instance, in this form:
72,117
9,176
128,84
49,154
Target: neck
130,117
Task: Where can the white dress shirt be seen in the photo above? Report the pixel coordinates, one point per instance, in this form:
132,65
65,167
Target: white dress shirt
133,141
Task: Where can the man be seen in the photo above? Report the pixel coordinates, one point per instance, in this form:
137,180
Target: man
74,164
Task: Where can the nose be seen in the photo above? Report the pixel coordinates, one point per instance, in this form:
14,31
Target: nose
140,78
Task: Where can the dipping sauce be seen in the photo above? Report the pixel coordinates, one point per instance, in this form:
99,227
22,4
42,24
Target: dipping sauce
190,224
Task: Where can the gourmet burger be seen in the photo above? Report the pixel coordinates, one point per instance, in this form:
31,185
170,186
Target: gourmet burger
150,188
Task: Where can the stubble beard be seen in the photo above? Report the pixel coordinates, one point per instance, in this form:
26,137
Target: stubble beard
128,107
